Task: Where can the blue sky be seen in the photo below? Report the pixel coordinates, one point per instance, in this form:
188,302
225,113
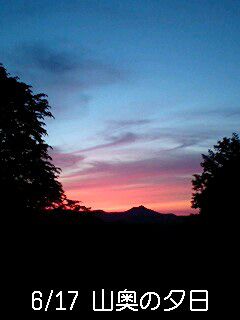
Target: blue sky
134,85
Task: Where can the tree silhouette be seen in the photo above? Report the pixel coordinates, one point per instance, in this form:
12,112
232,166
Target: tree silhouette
216,190
72,205
28,179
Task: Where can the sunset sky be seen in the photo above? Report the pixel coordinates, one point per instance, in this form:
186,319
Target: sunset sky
139,89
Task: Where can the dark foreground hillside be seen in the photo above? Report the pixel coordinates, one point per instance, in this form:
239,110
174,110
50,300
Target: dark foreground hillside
135,215
94,256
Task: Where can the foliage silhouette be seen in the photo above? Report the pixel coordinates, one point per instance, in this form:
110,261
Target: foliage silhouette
71,205
216,190
28,178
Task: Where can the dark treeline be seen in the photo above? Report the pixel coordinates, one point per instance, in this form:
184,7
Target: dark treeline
28,178
217,188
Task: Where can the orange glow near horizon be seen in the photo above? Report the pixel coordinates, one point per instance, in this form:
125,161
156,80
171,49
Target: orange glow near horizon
174,199
159,183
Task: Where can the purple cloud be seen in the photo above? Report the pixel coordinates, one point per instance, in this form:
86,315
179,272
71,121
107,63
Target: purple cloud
123,139
65,160
65,69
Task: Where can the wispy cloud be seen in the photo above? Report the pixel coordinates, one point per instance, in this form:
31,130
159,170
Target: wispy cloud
65,160
67,68
225,112
115,141
121,124
144,169
49,60
165,139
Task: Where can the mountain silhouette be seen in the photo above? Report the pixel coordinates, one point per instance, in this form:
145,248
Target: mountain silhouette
141,210
135,215
139,214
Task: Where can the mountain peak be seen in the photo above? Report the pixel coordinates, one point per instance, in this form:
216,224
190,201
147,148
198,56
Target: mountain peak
141,210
